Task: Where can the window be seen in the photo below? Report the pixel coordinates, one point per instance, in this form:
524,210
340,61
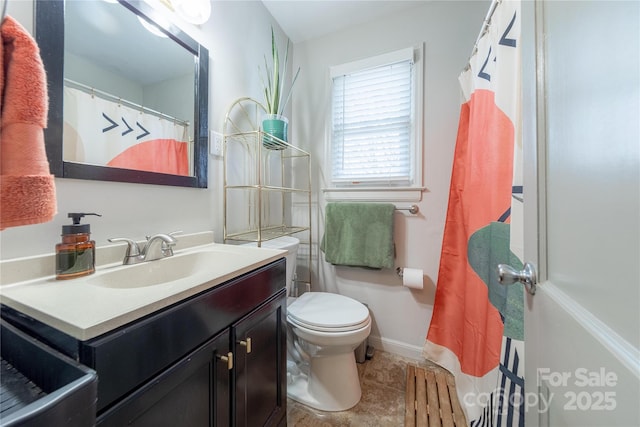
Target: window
375,123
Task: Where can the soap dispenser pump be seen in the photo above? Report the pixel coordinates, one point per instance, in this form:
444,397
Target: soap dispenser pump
75,255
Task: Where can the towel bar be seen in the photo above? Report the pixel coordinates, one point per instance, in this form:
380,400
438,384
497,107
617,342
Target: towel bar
413,209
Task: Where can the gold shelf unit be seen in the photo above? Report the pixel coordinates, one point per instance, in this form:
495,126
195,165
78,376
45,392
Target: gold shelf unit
267,192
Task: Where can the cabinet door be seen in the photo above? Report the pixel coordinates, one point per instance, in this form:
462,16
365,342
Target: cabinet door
260,365
193,392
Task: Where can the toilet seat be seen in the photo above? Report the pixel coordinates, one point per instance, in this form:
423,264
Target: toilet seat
328,330
327,312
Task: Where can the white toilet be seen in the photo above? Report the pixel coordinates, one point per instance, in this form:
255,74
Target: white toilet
323,330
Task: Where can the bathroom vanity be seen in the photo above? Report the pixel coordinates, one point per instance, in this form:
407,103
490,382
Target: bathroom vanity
216,357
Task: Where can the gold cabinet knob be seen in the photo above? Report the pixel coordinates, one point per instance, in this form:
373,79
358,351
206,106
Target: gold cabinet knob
228,358
246,344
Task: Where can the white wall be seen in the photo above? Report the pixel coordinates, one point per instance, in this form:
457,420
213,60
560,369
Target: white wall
448,31
237,36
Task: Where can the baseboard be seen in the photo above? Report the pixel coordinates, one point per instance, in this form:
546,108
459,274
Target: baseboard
396,347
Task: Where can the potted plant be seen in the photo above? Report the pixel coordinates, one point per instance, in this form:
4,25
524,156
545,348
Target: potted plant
277,98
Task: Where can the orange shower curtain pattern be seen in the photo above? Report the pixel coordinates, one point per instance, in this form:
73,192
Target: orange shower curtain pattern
467,327
465,321
106,133
158,155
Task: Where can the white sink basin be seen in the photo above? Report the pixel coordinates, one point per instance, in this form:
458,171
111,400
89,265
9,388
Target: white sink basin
162,271
115,295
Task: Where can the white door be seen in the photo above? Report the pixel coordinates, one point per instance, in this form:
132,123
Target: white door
582,230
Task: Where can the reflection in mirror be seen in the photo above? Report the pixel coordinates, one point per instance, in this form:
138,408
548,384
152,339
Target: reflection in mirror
125,104
117,112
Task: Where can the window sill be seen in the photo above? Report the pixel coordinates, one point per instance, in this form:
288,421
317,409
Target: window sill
374,194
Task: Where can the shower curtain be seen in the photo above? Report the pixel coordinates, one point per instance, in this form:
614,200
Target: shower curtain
476,330
106,133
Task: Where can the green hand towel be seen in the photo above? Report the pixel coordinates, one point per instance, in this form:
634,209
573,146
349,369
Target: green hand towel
359,234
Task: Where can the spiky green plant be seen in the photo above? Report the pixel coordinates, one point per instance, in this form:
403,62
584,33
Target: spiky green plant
273,81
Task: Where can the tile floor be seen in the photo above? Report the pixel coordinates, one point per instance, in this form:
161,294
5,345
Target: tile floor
382,380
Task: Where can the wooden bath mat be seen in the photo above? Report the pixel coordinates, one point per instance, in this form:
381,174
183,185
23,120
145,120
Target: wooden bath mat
431,399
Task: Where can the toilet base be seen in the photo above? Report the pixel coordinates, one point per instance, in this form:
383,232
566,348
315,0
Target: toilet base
332,384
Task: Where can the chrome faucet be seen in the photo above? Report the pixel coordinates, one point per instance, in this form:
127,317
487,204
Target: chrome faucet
158,246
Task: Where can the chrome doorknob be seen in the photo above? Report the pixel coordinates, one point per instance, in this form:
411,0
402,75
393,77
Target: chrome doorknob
528,277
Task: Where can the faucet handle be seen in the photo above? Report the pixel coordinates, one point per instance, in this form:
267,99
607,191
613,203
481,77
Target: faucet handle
167,245
176,233
132,247
154,250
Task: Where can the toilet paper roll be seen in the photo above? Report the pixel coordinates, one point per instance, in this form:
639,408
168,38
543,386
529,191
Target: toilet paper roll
412,278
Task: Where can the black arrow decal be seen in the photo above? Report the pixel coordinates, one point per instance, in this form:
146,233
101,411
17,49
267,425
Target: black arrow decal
129,128
142,135
113,124
482,74
504,40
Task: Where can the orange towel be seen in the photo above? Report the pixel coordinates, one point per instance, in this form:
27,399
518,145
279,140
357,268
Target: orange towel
27,188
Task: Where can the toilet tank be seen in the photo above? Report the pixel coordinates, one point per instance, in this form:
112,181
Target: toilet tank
289,244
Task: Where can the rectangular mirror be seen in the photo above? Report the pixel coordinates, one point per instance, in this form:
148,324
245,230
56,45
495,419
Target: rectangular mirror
128,94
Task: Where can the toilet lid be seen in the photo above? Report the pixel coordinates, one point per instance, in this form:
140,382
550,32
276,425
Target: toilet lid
327,311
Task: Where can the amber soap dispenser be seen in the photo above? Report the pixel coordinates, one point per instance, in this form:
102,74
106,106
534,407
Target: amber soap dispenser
75,256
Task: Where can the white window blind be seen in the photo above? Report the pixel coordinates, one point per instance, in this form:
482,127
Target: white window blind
372,135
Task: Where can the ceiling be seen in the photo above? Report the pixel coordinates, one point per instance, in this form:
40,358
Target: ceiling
307,19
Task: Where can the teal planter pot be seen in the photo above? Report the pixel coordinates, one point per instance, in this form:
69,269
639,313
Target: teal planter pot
274,125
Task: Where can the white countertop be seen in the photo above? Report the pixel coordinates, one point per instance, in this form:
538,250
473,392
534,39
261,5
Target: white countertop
84,310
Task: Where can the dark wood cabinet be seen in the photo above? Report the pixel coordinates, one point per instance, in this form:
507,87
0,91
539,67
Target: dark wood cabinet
215,359
193,392
235,379
260,366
